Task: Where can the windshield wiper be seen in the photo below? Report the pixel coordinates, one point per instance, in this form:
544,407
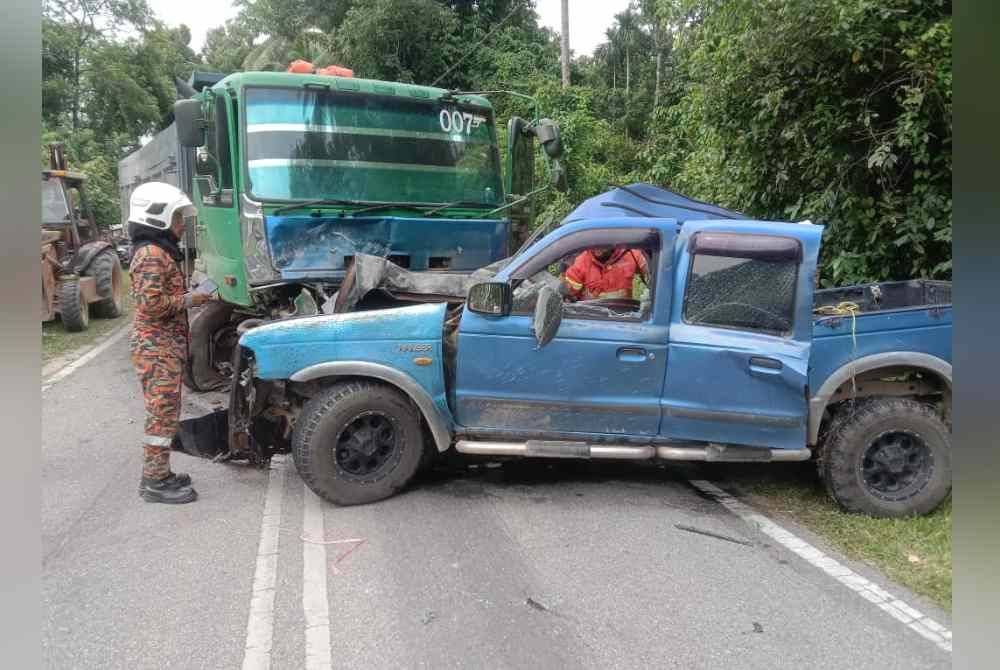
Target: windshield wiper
460,203
388,205
312,203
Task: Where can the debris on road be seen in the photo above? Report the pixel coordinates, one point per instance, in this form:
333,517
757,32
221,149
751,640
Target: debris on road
699,531
531,602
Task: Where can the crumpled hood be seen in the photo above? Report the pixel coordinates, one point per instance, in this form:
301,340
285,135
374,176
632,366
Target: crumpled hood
285,347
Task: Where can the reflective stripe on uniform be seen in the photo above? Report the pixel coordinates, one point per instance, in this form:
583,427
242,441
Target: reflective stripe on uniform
156,441
614,294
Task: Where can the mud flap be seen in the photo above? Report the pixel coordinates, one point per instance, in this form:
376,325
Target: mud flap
204,436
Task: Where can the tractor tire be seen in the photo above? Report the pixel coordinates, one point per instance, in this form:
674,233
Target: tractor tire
199,374
357,442
107,273
73,309
887,457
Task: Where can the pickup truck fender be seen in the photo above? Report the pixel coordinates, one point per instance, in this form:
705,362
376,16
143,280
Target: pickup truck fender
439,424
910,359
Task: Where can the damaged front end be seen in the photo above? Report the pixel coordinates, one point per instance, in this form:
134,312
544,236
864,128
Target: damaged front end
257,424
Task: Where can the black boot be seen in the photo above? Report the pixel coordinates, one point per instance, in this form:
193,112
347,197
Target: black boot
179,479
165,491
175,480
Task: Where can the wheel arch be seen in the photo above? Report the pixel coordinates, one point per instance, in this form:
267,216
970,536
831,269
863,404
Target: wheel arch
913,361
440,426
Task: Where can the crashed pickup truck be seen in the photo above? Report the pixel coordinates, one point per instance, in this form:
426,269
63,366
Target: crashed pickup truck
725,352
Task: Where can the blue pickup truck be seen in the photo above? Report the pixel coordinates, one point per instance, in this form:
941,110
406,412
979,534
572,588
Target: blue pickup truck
725,353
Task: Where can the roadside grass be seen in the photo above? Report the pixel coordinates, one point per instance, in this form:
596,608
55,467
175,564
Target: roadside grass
914,552
56,341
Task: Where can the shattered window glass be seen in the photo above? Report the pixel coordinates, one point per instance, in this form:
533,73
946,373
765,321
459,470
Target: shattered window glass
742,293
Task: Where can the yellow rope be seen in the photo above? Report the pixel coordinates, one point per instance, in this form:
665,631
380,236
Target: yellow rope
843,309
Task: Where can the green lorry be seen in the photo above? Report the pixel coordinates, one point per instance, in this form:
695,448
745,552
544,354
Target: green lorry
295,174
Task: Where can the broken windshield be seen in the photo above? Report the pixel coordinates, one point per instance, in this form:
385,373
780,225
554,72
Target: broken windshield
322,144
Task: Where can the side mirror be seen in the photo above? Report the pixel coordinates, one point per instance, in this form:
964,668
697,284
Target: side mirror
190,123
492,298
548,315
520,160
547,132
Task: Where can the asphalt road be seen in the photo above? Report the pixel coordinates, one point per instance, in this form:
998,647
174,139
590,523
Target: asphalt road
530,565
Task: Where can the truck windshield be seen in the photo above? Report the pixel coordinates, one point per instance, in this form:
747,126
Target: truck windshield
309,144
54,208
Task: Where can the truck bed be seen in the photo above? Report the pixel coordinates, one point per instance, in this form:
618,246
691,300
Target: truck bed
908,316
886,296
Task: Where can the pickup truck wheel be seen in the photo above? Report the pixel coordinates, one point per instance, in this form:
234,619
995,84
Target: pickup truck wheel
357,442
887,457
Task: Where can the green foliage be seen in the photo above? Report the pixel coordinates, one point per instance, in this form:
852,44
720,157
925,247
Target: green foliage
837,111
87,155
834,110
107,81
398,40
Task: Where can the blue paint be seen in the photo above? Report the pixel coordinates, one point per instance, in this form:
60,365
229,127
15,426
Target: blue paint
710,371
281,349
304,246
659,378
920,330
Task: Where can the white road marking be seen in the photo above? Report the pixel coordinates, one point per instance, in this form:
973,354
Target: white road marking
260,623
912,618
314,597
86,358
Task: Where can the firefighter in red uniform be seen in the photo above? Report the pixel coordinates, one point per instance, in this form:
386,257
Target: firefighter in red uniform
160,330
605,272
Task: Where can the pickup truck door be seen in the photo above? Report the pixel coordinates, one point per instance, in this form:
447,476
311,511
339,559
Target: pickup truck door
598,375
740,334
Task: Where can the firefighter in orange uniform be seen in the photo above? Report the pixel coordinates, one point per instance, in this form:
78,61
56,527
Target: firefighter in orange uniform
160,330
605,272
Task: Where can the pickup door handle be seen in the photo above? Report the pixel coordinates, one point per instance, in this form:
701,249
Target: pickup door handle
765,366
632,354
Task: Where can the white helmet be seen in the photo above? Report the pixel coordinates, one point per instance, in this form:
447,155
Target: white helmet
153,204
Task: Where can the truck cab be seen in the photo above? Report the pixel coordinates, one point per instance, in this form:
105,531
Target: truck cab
297,173
723,352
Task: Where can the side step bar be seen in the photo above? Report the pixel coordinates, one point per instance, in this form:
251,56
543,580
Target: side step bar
556,449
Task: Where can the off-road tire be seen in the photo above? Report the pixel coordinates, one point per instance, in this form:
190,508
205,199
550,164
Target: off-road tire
855,427
325,418
107,273
73,309
199,375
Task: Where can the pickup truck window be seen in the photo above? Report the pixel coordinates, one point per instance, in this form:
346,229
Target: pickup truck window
742,293
601,283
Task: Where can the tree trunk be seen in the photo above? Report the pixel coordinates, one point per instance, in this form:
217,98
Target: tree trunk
76,89
565,43
659,65
628,71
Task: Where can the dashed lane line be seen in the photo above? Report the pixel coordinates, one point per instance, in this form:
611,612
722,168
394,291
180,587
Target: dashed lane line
315,604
